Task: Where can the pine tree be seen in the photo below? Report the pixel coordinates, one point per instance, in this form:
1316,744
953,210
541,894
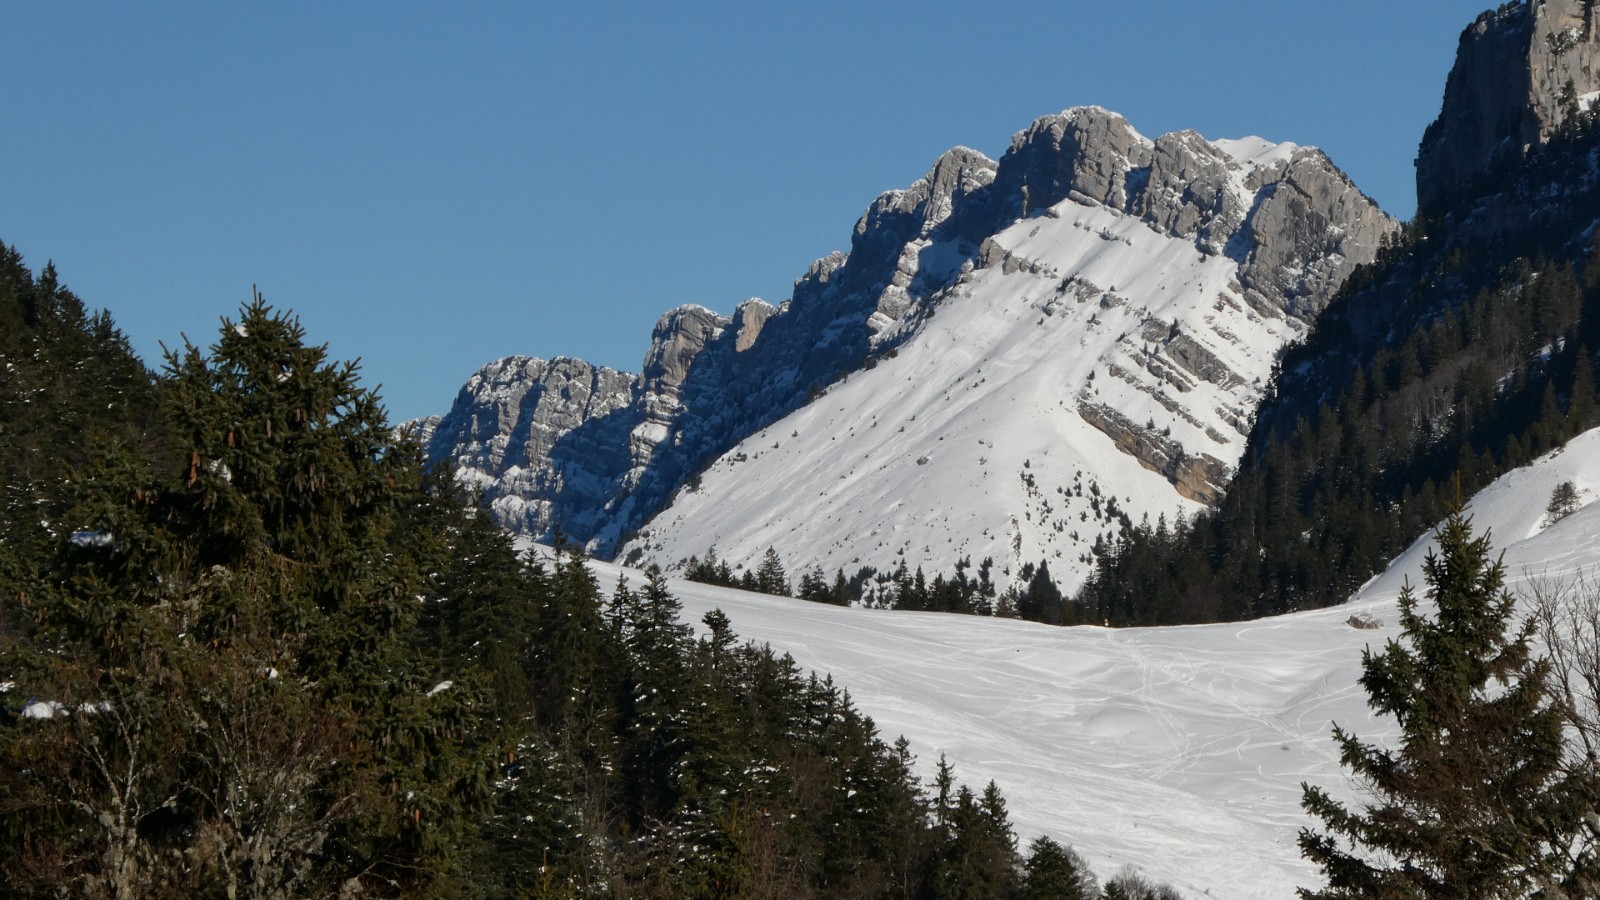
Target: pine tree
1054,872
770,577
1563,502
1474,801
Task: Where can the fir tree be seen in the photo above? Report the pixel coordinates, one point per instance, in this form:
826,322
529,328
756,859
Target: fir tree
241,618
1054,872
1475,800
770,577
1563,502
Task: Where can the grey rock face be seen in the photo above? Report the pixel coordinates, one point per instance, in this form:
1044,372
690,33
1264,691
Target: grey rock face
678,338
748,320
1517,78
1086,152
1198,477
1310,227
1297,231
1186,192
508,435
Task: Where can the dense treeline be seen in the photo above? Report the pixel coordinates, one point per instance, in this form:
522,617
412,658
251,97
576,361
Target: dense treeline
1465,351
70,388
248,647
968,590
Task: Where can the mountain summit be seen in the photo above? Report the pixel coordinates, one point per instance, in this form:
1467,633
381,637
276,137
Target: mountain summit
1521,74
1012,360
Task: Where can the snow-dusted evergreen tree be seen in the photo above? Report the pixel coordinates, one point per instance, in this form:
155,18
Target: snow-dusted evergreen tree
227,629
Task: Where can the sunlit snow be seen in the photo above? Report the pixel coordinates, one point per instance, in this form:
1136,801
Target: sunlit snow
983,404
1180,750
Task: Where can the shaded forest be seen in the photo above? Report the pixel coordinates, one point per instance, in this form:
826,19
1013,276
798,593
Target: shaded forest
251,647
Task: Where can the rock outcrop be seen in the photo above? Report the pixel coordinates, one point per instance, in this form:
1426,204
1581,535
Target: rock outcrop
1198,477
543,441
1521,73
1295,223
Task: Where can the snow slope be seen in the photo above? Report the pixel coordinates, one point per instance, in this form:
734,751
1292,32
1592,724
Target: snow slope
1180,750
989,431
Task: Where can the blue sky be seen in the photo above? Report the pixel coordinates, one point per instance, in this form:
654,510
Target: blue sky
431,186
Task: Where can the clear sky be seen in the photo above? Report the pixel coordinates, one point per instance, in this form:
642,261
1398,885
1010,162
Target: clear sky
435,185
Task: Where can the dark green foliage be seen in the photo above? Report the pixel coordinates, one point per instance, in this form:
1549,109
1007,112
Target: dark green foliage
282,660
1477,799
1130,884
771,578
1054,872
1563,502
711,570
1040,600
978,857
70,390
1454,358
230,632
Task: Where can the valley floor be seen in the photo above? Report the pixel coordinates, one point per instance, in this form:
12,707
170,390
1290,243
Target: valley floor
1180,750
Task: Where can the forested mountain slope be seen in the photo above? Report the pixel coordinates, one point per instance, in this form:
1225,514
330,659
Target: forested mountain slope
248,647
1467,349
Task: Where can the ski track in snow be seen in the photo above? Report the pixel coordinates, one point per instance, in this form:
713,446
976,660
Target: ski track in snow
1180,750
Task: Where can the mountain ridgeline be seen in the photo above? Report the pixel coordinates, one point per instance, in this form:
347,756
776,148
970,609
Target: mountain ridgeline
1170,269
1466,350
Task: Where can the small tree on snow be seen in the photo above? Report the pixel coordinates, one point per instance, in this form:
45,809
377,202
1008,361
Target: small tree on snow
1475,799
1563,502
770,577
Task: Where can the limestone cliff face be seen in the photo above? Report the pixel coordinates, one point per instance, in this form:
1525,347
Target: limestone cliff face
1308,230
1521,72
1292,220
598,453
543,440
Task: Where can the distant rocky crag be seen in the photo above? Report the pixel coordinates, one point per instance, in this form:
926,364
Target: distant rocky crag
1522,73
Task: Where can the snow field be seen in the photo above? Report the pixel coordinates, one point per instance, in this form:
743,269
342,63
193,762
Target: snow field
1180,750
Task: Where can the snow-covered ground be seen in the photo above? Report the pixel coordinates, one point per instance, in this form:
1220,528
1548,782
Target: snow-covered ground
1180,750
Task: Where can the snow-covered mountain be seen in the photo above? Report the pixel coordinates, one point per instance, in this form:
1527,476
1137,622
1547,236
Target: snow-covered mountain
1012,357
1090,365
1179,749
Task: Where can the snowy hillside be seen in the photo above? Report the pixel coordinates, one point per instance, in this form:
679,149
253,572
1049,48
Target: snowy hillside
1092,363
1179,749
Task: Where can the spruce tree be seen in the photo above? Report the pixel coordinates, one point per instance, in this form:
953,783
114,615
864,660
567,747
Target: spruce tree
770,577
1054,872
1475,800
234,628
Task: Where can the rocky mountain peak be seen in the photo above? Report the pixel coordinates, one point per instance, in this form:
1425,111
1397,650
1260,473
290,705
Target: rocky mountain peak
678,338
1085,152
748,319
1172,267
1521,72
914,212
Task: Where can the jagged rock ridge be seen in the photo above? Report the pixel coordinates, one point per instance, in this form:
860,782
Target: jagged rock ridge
1270,230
